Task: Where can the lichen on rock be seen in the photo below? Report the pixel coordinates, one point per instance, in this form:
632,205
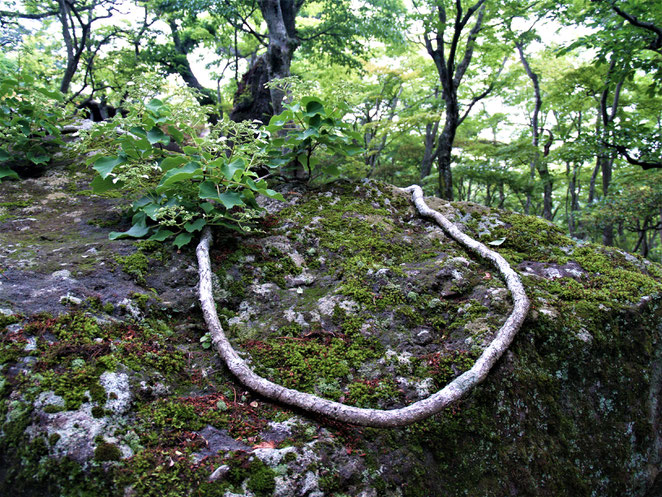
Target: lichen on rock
347,293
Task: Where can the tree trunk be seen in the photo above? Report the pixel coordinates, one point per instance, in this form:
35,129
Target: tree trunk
431,130
445,146
451,72
74,46
502,195
253,101
445,178
606,167
281,47
574,199
537,161
606,156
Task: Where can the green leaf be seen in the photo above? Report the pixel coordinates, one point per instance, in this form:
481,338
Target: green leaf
189,171
140,203
5,172
229,170
196,225
280,120
352,150
304,135
37,158
138,131
207,189
138,230
230,199
313,106
182,239
155,135
3,155
332,170
161,235
151,209
154,105
172,161
177,135
208,207
272,194
497,242
105,165
101,185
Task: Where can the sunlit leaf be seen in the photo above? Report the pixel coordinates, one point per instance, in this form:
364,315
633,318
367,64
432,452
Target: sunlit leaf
189,171
105,165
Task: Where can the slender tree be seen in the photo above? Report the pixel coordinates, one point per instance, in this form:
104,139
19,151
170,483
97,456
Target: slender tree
450,35
76,18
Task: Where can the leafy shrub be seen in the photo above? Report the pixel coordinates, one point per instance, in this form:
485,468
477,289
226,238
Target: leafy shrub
307,133
186,181
30,116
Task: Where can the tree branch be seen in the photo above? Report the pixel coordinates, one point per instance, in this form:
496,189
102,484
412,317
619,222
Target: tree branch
484,94
623,151
473,34
656,45
417,411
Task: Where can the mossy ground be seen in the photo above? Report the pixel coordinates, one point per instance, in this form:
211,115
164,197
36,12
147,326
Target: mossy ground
354,309
349,295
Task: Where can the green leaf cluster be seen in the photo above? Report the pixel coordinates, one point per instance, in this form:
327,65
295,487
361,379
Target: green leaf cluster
30,119
307,136
185,181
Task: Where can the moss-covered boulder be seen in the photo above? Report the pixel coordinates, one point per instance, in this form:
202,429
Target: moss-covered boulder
347,293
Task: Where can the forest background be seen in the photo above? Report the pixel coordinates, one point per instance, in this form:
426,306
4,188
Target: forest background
550,108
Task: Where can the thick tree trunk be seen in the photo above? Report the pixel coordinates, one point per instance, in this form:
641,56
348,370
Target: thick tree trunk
606,156
606,167
502,195
252,100
445,177
574,199
279,16
445,148
591,185
74,46
451,71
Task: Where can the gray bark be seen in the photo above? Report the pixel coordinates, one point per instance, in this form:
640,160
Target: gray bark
537,162
451,73
280,17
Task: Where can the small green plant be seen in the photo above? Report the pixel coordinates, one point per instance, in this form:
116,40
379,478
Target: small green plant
307,134
186,181
205,341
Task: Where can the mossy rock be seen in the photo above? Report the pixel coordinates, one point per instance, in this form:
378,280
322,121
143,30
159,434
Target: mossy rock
346,293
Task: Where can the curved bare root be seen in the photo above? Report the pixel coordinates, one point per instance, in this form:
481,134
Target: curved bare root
372,417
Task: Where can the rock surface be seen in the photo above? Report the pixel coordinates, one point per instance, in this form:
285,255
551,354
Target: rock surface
346,293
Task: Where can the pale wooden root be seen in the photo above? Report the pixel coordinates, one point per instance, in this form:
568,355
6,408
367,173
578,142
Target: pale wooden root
355,415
